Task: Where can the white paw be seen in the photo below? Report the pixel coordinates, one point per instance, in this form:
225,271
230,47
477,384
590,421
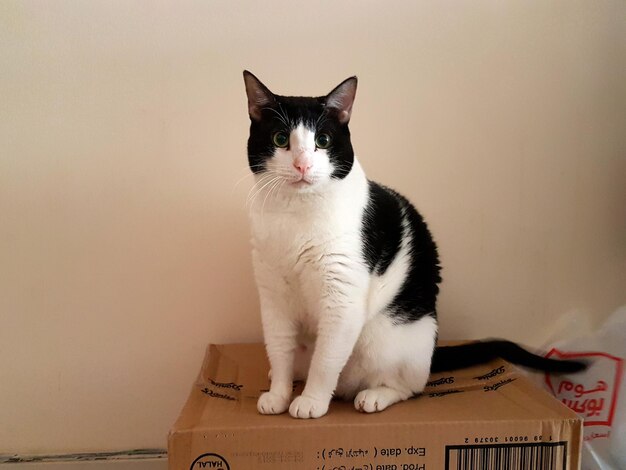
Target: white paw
371,401
272,404
306,407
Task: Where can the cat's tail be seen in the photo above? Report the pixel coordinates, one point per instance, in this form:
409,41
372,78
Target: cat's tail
465,355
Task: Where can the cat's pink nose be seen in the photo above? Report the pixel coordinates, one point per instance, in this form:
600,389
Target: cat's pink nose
302,165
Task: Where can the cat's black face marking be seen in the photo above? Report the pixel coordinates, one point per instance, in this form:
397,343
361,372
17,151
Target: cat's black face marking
286,115
328,114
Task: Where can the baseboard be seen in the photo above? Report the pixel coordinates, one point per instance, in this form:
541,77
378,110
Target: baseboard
130,460
144,464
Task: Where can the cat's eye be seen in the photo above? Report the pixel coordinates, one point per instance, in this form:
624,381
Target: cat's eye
280,139
322,141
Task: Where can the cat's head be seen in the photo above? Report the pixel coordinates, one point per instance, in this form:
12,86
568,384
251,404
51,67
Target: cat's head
304,142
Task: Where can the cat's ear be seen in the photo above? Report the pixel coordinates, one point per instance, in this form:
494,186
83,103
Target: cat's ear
259,96
342,98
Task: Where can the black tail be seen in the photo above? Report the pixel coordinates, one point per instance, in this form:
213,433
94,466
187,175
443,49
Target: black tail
465,355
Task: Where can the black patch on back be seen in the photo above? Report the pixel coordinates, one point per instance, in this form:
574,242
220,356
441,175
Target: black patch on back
285,115
382,228
387,216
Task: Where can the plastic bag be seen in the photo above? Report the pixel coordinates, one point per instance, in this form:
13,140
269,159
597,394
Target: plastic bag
599,393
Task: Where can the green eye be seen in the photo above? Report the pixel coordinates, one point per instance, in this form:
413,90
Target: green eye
322,141
280,139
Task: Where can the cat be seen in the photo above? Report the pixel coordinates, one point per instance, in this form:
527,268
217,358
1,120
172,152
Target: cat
347,270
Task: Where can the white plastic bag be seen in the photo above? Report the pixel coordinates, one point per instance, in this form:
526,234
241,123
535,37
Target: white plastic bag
599,393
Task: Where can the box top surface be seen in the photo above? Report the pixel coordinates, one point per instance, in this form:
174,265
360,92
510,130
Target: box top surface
234,376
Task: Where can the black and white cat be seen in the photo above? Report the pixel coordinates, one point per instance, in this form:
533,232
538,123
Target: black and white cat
347,270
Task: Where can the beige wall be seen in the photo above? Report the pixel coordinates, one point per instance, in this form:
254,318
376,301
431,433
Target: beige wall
124,242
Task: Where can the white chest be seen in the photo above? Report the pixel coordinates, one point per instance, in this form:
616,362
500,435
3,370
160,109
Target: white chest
308,243
294,227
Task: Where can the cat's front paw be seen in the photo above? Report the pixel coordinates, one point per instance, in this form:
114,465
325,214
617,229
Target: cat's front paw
272,404
305,407
376,399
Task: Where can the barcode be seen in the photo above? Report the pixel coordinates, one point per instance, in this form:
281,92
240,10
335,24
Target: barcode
540,456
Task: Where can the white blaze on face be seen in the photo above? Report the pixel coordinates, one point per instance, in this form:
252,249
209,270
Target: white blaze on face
302,143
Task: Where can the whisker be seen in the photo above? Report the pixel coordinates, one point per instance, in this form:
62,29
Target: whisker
280,117
269,191
342,166
281,185
257,184
280,106
251,202
321,120
240,180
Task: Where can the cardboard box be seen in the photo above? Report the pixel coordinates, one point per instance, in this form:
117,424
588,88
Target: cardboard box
487,417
